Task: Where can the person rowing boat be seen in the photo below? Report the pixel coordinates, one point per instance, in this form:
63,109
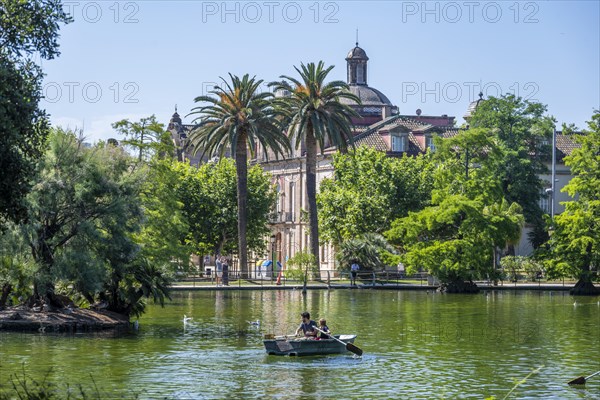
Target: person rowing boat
307,326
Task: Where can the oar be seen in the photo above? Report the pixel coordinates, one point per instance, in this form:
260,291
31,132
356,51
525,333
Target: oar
581,380
349,346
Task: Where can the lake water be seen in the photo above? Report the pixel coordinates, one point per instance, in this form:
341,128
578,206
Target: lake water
416,345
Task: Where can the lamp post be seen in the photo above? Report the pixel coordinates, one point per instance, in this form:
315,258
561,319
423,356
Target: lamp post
550,194
551,191
553,174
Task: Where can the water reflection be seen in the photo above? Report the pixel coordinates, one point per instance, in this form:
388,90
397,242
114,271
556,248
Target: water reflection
417,345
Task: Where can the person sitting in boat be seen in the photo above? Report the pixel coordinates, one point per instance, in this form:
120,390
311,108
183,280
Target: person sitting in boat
307,327
325,332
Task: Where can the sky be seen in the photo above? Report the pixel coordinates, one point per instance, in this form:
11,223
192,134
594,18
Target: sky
133,59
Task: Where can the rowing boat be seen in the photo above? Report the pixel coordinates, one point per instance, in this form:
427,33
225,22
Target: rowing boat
292,346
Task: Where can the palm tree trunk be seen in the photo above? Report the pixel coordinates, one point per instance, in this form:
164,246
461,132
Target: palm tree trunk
241,164
311,193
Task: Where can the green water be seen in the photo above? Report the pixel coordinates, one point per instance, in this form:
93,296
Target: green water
416,345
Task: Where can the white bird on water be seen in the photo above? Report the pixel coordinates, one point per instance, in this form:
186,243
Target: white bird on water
575,304
186,319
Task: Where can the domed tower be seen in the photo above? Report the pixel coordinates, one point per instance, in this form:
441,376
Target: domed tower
357,66
472,107
375,106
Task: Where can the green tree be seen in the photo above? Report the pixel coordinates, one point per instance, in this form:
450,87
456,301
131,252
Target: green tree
533,268
60,209
522,133
315,118
300,266
239,117
368,250
84,212
575,243
506,223
162,237
369,190
454,239
512,265
26,28
208,195
457,236
146,136
209,206
31,26
164,226
16,266
467,164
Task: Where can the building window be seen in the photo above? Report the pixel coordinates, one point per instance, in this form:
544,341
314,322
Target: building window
429,143
292,200
279,198
360,74
372,110
399,143
544,202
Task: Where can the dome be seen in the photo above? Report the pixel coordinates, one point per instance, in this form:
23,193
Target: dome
357,53
368,96
472,107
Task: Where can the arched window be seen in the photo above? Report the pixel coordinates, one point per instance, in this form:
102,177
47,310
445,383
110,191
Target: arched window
360,74
279,196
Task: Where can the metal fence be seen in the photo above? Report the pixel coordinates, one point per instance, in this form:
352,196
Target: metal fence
261,276
268,276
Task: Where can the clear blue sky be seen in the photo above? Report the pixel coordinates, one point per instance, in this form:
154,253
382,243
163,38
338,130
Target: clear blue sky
137,58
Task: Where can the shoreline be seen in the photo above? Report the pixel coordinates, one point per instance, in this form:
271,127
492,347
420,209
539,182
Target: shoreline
323,286
68,320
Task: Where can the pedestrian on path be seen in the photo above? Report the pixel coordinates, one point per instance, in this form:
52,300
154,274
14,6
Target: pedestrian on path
218,270
353,272
225,265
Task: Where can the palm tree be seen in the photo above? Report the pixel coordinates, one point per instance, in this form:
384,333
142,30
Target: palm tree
240,118
366,250
313,115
